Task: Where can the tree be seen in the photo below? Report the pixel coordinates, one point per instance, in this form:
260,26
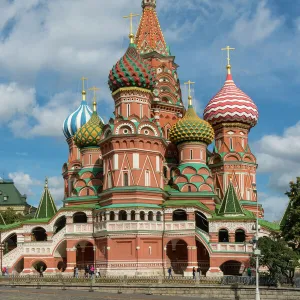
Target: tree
278,257
290,224
10,216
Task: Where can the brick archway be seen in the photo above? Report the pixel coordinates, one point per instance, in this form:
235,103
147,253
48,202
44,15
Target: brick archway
177,255
203,259
84,254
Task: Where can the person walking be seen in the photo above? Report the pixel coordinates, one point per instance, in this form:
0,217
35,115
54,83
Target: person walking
76,272
86,271
170,273
194,273
249,272
41,271
199,272
98,273
92,271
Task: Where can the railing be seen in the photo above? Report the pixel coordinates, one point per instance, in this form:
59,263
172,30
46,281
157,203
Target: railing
78,228
232,247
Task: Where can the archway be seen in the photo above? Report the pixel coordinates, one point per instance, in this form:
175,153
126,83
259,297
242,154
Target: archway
202,258
122,215
223,236
61,266
37,265
10,243
84,254
240,236
177,254
179,215
201,221
19,266
231,267
39,234
80,217
59,224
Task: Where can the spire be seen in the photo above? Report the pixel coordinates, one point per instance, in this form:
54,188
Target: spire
228,67
131,35
83,92
95,89
149,36
47,207
2,222
190,99
230,204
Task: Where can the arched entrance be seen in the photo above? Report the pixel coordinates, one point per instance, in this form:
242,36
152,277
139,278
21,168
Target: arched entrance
10,243
19,266
59,224
84,254
202,258
177,254
232,267
61,266
39,234
38,265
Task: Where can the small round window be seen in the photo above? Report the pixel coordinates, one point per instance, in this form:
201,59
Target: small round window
125,131
146,132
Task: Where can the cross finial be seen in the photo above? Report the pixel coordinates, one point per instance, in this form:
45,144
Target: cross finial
83,79
189,83
131,35
95,89
228,48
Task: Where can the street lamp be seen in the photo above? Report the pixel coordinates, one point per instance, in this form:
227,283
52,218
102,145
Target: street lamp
256,251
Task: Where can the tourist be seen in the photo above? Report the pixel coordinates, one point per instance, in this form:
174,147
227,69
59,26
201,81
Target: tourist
170,272
6,271
86,271
98,273
76,272
194,273
249,272
199,272
92,271
3,271
41,271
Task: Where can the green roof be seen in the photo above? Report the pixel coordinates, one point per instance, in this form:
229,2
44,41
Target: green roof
230,204
2,222
47,208
269,225
185,203
9,195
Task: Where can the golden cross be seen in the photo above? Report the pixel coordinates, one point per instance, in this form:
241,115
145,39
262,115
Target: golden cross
228,53
95,89
83,79
130,17
190,96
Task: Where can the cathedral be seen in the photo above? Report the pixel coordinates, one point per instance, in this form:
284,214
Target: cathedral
143,193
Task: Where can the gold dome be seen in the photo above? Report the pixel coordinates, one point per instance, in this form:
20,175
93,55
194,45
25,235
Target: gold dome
191,128
89,134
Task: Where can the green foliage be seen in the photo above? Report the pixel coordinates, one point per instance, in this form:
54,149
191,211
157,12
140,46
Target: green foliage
290,225
278,257
10,216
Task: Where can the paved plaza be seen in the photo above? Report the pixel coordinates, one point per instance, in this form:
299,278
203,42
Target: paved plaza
8,293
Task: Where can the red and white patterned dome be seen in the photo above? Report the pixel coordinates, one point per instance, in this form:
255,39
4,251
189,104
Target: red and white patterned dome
231,104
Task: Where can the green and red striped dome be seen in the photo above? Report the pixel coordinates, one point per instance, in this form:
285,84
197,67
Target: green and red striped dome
131,71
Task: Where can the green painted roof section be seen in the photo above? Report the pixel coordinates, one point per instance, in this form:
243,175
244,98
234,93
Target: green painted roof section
35,221
84,198
2,222
269,225
134,188
130,205
196,166
47,207
185,203
9,195
95,171
231,204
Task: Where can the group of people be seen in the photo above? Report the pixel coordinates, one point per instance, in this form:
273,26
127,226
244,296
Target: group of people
4,271
89,272
198,271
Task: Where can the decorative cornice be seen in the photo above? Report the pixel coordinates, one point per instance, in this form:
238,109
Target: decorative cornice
128,89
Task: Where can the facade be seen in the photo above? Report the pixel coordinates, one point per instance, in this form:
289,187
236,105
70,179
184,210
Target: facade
143,192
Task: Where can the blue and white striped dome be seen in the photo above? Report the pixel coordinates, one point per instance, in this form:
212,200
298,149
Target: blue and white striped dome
77,119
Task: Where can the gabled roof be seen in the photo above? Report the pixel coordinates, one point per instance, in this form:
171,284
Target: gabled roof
2,222
231,204
9,195
47,207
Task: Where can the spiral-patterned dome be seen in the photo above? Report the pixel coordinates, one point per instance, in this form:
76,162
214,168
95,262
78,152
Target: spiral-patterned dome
231,104
89,134
131,71
191,128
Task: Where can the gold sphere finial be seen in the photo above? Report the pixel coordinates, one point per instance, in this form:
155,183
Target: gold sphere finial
228,49
189,83
83,92
131,35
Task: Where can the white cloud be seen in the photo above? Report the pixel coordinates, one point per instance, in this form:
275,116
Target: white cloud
24,182
250,30
56,187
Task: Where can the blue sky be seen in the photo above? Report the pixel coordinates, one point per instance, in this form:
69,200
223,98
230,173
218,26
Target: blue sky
46,46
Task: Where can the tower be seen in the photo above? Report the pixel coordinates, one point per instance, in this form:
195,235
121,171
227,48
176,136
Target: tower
232,114
166,105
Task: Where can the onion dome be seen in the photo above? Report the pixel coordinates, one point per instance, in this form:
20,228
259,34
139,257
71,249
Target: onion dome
231,104
131,71
89,134
191,128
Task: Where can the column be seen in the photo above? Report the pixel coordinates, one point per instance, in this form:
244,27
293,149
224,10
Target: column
71,257
137,216
214,269
192,260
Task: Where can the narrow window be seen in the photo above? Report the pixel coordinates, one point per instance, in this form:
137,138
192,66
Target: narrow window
90,159
191,154
201,154
78,154
243,143
119,110
128,110
109,181
147,178
189,189
168,133
125,179
141,110
231,143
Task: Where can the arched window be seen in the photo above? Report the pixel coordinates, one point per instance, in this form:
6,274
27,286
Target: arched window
179,215
142,216
150,216
231,143
80,217
132,215
122,215
39,234
59,224
189,188
147,178
240,236
109,180
201,221
223,236
128,110
158,216
168,133
111,216
125,179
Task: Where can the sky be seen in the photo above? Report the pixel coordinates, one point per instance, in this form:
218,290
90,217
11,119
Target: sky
47,46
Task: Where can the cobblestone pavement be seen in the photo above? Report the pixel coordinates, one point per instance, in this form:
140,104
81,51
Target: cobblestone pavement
8,293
